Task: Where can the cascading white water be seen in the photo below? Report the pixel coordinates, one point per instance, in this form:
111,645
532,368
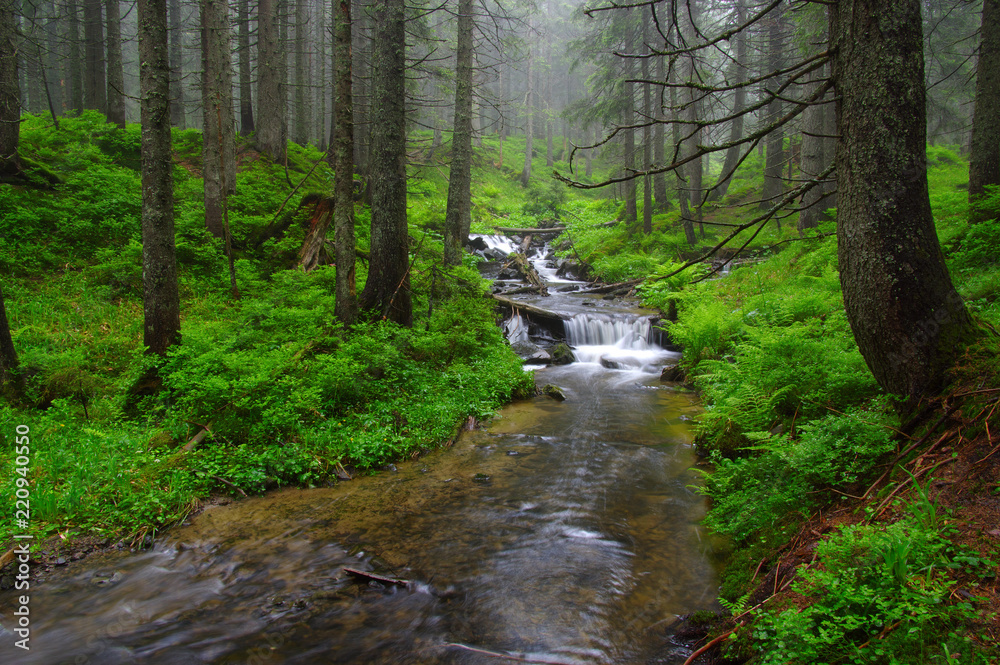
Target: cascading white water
548,274
600,330
615,343
515,329
503,243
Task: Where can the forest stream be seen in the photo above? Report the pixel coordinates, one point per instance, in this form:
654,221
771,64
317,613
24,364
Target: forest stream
561,531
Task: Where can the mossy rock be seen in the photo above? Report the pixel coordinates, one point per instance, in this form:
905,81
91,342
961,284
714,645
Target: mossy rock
555,392
561,354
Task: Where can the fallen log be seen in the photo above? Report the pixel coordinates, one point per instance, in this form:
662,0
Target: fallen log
525,244
528,272
531,309
6,559
553,230
360,574
198,438
607,288
521,289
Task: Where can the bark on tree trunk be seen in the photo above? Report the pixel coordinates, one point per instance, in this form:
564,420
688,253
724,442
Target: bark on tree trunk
388,287
178,114
218,143
246,88
74,60
272,128
116,71
32,56
8,354
814,161
984,158
529,110
10,94
458,215
659,153
346,305
301,135
907,318
773,183
739,103
647,111
96,86
51,58
628,136
361,39
161,303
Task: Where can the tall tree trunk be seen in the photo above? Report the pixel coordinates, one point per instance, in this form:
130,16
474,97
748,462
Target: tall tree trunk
161,303
246,87
739,103
96,86
680,150
116,71
178,115
693,169
647,157
659,152
218,143
346,306
8,354
301,134
388,287
907,319
52,57
272,128
813,163
984,158
549,161
361,39
529,110
32,56
321,76
75,61
628,136
773,183
10,93
458,215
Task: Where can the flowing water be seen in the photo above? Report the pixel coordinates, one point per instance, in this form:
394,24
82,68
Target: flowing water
564,531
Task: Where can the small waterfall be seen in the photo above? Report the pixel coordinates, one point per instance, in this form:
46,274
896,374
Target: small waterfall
615,343
503,243
600,330
515,329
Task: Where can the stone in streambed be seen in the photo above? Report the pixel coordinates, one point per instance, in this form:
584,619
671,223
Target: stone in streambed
561,354
555,392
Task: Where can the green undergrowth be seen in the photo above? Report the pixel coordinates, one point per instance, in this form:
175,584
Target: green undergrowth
289,396
795,422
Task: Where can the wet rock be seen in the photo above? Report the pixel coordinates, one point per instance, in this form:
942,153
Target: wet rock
561,354
61,561
553,391
478,243
531,353
480,478
572,270
106,578
672,374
